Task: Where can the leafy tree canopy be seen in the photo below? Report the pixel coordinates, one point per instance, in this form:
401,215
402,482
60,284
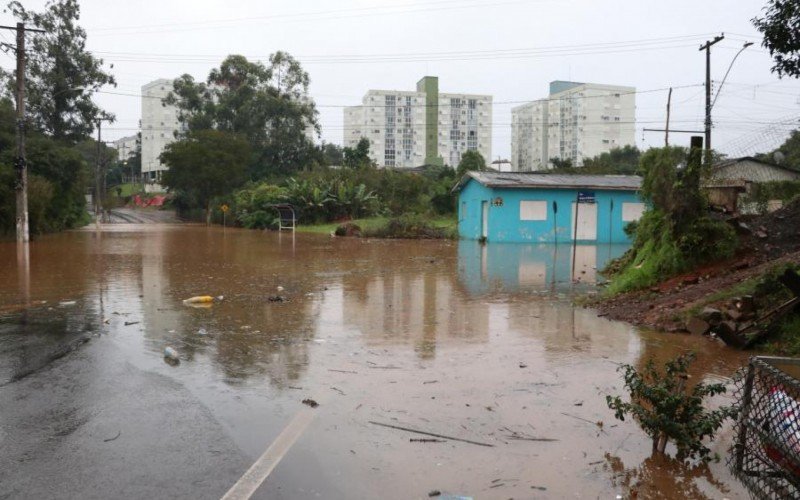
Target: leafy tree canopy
780,26
206,164
266,105
62,75
787,154
357,157
470,161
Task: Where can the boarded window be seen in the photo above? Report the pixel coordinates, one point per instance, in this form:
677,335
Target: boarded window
532,210
632,211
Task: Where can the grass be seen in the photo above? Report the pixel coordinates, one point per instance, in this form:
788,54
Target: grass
786,340
372,224
128,189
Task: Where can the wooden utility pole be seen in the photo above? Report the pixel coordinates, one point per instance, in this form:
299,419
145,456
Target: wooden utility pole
20,166
707,47
99,184
666,129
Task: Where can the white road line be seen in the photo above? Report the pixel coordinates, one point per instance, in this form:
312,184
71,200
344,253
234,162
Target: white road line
261,469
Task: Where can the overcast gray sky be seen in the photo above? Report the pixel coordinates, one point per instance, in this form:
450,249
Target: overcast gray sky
509,49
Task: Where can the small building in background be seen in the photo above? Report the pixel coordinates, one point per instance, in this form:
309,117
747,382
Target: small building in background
732,182
527,207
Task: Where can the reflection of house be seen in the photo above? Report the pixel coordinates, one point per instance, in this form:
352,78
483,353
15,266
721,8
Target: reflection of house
535,267
730,179
423,307
541,208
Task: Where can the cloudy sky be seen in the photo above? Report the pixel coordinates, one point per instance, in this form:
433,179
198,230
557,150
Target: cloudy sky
510,49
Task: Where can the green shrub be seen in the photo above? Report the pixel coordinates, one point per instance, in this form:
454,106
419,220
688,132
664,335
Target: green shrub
668,410
675,233
409,226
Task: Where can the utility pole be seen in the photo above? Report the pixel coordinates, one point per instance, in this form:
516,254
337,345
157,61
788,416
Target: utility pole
666,129
20,166
707,47
99,184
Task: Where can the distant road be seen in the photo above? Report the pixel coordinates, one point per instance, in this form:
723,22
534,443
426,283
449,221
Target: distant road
142,216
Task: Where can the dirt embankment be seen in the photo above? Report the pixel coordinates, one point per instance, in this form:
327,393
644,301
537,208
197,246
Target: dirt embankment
765,241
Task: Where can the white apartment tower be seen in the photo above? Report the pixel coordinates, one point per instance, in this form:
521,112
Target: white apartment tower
576,121
408,129
159,124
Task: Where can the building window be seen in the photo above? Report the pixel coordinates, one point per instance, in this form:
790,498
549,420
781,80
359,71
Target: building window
532,210
632,211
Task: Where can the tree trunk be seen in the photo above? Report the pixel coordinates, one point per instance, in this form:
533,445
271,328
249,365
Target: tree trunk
662,442
208,214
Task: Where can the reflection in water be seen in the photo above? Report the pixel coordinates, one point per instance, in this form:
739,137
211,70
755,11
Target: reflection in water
468,318
659,476
522,267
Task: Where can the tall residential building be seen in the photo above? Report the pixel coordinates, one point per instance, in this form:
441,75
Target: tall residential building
576,121
409,129
159,124
126,147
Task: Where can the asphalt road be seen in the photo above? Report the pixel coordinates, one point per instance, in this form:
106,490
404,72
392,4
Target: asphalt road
91,425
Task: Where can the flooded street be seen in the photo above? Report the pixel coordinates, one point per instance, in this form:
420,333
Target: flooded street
480,343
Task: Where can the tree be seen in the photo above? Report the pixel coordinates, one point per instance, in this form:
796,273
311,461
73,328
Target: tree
266,105
787,154
668,410
206,164
331,154
617,161
357,157
559,164
470,161
780,26
62,75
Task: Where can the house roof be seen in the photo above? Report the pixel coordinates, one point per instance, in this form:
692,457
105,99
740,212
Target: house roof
521,180
733,161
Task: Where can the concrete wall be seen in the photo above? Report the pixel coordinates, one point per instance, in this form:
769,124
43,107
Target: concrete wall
504,224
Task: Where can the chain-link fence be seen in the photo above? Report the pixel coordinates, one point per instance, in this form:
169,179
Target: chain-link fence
766,454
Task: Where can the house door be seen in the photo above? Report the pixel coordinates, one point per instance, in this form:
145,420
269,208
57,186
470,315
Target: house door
587,222
484,219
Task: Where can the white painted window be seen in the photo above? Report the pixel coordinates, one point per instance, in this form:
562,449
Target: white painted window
632,211
532,210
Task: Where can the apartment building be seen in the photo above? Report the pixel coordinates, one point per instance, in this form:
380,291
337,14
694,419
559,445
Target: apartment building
159,124
576,121
126,147
408,129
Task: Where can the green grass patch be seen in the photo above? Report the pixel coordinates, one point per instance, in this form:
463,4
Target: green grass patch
786,339
371,225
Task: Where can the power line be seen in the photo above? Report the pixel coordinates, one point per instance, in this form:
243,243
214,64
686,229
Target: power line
527,101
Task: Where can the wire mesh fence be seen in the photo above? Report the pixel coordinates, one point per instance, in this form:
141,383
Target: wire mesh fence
766,454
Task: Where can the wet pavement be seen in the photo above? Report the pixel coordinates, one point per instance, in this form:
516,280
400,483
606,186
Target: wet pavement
480,343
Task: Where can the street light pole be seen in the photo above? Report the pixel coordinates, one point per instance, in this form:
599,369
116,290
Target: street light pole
746,44
707,47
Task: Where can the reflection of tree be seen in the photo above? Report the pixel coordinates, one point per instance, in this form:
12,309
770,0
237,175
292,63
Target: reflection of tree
247,336
660,476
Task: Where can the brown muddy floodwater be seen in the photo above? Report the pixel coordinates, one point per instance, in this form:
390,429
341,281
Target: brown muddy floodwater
476,342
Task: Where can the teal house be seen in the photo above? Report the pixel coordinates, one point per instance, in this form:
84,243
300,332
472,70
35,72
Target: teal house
530,207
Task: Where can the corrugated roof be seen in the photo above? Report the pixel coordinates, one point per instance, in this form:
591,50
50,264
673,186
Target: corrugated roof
554,181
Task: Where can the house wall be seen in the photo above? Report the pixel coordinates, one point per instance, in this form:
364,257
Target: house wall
504,224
